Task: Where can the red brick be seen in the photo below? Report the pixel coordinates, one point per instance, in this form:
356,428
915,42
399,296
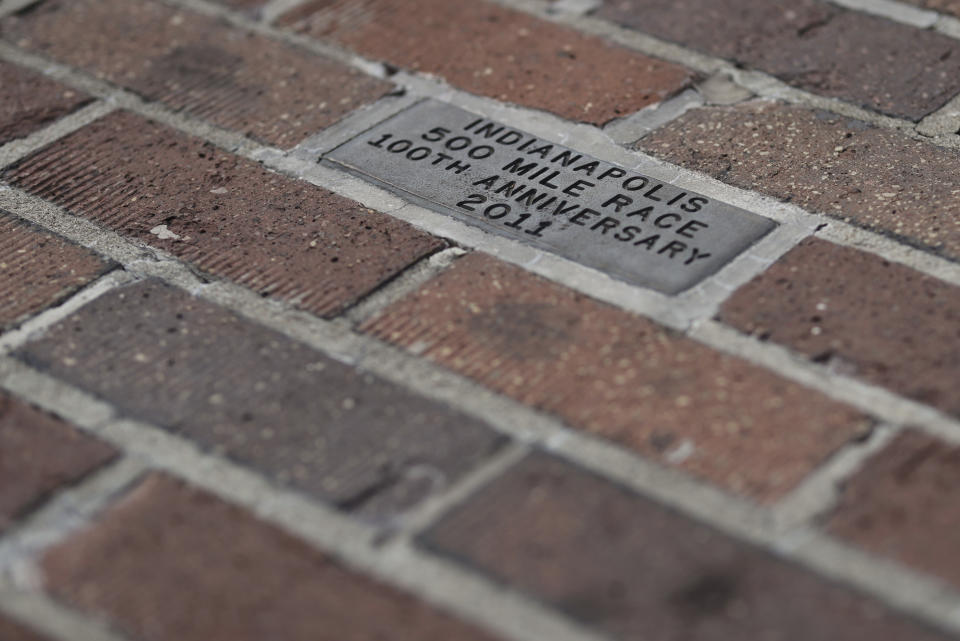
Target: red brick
493,51
39,454
880,321
38,269
276,235
12,631
262,399
171,562
30,101
638,570
902,505
875,178
944,6
878,63
260,87
619,376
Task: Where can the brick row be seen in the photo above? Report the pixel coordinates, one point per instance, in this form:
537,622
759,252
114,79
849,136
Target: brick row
29,101
259,398
872,177
226,215
39,454
168,561
636,569
620,377
493,51
880,64
263,88
39,269
860,315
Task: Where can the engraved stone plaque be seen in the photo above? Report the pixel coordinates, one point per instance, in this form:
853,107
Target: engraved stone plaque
633,227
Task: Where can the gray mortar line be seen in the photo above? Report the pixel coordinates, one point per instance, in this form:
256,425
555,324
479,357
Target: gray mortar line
897,11
439,582
273,9
10,7
17,149
54,621
628,130
472,596
406,282
819,492
943,122
948,26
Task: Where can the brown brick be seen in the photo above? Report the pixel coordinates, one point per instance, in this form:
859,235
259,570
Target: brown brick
875,178
38,455
878,63
903,505
241,81
30,101
635,569
620,376
262,399
171,562
493,51
13,631
943,6
227,215
38,269
864,316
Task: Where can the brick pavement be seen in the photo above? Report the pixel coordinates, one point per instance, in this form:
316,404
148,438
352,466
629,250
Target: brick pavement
247,394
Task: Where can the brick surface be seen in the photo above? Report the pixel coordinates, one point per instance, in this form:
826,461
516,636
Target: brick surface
944,6
864,316
260,87
874,178
29,101
166,548
38,455
619,376
878,63
489,50
225,214
638,570
38,269
902,505
12,631
262,399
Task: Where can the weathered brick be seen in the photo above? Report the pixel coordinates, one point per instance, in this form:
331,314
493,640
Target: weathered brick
944,6
227,215
875,178
241,81
168,561
620,376
493,51
638,570
38,269
862,315
878,63
262,399
39,454
30,101
902,505
13,631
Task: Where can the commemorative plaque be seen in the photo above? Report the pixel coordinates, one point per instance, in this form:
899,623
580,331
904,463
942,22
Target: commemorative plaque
631,226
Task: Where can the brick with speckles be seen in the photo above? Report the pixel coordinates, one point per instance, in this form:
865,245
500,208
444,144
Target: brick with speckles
872,177
902,505
29,101
635,569
225,214
168,561
260,87
620,376
262,399
490,50
39,454
39,269
861,315
878,63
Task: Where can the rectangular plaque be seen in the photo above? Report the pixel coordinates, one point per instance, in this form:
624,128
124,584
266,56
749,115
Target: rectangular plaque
633,227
